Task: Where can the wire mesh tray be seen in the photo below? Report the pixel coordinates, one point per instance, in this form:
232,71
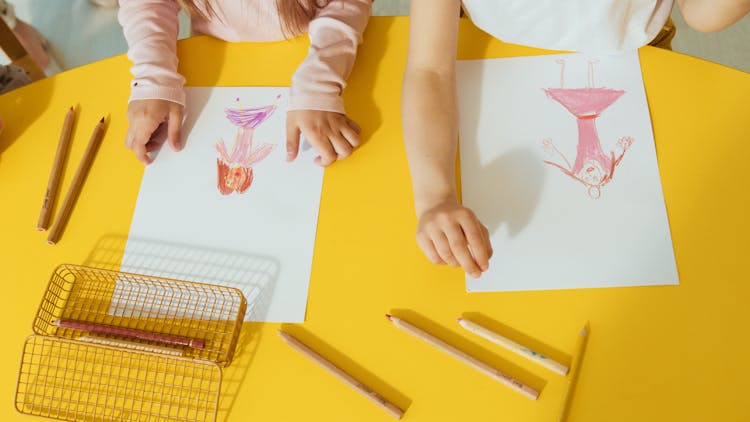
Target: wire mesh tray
86,364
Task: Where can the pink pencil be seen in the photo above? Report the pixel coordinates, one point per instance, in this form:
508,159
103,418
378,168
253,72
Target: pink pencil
129,333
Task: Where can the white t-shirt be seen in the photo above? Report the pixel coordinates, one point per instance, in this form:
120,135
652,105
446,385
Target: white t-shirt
590,26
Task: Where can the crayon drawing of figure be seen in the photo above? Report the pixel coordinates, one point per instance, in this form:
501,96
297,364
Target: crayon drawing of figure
235,170
592,166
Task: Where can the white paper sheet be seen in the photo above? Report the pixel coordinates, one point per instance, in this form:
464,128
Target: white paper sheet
559,217
271,223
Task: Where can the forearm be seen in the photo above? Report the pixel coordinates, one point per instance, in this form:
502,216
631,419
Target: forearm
713,15
150,28
430,128
335,34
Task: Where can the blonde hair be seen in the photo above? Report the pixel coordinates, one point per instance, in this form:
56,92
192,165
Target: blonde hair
293,14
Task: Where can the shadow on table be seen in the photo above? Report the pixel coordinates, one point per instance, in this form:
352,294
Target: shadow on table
22,107
471,348
349,366
511,183
254,275
362,108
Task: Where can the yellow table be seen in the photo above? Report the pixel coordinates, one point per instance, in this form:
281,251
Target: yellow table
672,353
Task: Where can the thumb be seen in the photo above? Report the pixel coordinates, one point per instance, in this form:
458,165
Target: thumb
174,123
292,141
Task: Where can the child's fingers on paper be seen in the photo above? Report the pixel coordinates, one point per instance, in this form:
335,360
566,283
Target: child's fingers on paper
174,123
340,145
425,243
477,242
460,248
323,146
141,153
443,247
292,141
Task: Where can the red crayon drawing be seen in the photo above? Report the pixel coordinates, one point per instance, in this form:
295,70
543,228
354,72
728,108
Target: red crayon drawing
235,170
592,167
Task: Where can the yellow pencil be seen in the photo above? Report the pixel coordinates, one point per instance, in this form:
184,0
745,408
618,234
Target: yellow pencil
575,369
513,346
464,357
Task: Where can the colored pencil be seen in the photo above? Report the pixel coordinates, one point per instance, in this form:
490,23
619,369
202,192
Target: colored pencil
75,186
129,333
513,346
339,373
132,345
50,195
575,369
475,363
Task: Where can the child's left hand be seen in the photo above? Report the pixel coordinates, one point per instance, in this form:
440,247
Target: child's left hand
333,135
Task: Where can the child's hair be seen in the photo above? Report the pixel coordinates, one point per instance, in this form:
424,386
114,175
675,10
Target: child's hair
293,14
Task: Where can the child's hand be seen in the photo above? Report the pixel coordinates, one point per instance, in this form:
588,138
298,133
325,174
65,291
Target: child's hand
333,135
148,120
451,234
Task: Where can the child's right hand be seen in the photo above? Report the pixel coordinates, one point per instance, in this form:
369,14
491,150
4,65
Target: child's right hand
333,135
450,233
148,120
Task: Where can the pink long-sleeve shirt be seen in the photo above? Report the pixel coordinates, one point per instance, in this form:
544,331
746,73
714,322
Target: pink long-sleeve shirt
151,28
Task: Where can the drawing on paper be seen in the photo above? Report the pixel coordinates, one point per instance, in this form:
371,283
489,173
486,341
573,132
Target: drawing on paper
592,166
235,170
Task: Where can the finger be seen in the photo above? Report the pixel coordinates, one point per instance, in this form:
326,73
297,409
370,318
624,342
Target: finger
324,148
352,124
460,248
174,123
141,153
486,236
425,243
340,145
478,245
350,134
292,140
443,248
141,132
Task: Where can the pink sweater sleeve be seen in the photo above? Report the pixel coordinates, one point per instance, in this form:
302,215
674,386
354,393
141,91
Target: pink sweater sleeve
151,28
335,33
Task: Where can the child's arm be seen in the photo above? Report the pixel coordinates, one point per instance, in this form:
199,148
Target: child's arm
447,232
713,15
150,28
316,108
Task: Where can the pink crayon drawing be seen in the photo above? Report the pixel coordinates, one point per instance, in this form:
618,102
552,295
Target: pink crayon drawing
236,170
592,166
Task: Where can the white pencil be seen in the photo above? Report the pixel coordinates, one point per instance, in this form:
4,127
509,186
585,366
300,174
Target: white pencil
475,363
513,346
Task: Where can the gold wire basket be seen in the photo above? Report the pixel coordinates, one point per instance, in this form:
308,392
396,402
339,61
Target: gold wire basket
73,369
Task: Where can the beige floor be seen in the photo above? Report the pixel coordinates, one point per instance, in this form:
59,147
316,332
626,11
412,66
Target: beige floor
97,29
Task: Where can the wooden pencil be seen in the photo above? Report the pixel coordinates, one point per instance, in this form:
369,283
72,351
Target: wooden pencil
339,373
575,369
464,357
50,195
513,346
75,186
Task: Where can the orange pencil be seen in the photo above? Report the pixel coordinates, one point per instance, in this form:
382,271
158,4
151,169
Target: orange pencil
50,195
76,184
